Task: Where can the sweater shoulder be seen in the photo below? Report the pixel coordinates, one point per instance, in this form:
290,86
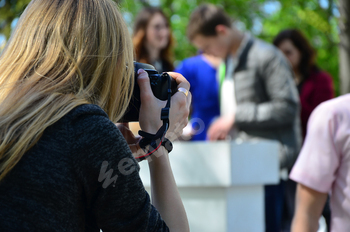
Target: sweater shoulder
84,111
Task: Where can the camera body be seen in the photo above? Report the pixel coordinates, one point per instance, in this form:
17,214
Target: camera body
159,86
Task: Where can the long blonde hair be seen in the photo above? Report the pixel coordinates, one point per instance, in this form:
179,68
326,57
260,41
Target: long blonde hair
62,54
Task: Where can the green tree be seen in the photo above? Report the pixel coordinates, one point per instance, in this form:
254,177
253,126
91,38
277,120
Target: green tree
344,48
318,23
318,19
9,11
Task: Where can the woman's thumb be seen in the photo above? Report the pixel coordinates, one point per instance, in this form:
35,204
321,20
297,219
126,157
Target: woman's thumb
144,83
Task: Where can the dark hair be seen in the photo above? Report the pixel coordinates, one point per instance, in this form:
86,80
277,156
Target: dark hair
204,19
308,54
139,37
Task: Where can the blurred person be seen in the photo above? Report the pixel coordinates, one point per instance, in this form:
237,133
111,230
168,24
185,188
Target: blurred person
314,86
323,167
64,165
152,39
201,72
258,97
153,43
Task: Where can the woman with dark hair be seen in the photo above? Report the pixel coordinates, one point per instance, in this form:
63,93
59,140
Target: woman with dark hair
314,85
153,40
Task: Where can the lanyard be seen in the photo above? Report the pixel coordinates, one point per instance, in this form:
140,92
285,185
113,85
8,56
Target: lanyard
222,74
230,65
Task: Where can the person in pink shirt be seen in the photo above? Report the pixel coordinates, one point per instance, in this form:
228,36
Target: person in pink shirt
323,167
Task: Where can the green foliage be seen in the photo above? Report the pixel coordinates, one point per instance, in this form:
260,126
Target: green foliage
9,10
317,23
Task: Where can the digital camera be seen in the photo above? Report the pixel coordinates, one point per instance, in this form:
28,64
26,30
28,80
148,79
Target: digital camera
159,86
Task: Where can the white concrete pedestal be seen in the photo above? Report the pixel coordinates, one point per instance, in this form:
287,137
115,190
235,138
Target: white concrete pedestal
222,183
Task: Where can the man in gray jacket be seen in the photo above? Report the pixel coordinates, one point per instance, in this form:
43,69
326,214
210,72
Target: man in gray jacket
257,91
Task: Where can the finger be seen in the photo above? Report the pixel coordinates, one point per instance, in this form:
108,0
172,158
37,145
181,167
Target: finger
137,139
222,136
127,133
136,150
180,80
182,102
144,84
189,99
214,134
121,127
215,137
211,135
125,124
188,94
212,138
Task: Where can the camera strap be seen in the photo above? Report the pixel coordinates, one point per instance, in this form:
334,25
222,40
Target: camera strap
156,140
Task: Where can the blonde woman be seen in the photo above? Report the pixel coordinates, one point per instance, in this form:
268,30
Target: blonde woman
65,79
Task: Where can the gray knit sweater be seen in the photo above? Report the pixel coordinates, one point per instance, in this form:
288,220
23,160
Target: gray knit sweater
66,182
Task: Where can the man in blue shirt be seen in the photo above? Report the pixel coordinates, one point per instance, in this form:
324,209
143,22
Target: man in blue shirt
201,72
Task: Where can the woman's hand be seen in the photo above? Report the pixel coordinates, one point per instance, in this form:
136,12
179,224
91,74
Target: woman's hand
180,107
151,106
163,184
131,140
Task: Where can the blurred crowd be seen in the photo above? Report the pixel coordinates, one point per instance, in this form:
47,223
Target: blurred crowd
244,87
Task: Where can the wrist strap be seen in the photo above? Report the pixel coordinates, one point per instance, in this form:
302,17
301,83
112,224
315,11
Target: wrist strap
167,144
